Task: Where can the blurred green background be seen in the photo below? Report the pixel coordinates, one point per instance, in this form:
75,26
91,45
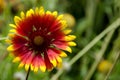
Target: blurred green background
87,19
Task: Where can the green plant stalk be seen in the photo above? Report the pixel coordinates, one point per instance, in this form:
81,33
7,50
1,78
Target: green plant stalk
117,57
28,72
113,26
99,55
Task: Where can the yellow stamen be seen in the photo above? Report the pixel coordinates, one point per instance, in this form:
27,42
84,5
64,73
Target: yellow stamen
38,40
71,43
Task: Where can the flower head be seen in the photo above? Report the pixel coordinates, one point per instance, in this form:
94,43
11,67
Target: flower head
38,39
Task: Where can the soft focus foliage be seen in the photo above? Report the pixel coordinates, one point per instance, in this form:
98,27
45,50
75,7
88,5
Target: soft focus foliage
89,18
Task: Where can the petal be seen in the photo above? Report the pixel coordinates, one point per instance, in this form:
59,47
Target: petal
60,17
30,58
67,31
16,59
37,63
13,31
31,67
27,67
21,65
22,15
12,25
43,68
36,10
63,24
63,54
24,57
53,57
59,65
69,38
10,48
29,13
11,35
8,41
59,60
60,44
71,43
68,49
41,11
55,13
17,20
49,66
35,69
48,12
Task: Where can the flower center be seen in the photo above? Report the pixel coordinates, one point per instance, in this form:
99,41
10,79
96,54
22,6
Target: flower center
38,40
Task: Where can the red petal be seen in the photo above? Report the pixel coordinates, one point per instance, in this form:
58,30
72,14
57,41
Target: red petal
60,44
37,61
49,65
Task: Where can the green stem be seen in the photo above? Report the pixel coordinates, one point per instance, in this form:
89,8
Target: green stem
113,26
117,57
28,72
99,55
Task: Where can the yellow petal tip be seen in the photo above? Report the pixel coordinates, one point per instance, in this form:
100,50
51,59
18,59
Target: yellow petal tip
27,67
10,48
43,68
21,65
16,59
63,54
72,44
69,49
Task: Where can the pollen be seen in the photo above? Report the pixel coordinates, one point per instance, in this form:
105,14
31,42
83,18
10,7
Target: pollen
38,40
